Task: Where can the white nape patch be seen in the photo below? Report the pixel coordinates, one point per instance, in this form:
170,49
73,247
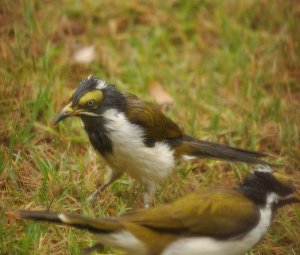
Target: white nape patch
238,246
126,241
101,84
188,157
263,168
149,165
64,218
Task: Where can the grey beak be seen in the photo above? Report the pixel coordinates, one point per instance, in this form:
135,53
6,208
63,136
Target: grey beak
66,112
60,117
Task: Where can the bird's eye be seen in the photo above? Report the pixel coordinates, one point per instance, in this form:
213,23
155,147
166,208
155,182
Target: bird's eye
91,103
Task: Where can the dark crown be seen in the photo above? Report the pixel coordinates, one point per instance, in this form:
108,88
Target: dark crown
259,184
86,85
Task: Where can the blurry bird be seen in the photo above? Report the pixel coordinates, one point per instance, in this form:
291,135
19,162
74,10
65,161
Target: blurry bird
134,136
211,222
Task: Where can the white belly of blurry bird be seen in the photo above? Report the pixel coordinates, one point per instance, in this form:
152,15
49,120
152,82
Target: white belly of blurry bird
125,241
211,246
149,165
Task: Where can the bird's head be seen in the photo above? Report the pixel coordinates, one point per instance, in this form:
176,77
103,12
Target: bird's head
91,97
266,183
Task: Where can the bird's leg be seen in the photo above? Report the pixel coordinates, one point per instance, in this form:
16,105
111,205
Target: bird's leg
95,247
114,175
148,196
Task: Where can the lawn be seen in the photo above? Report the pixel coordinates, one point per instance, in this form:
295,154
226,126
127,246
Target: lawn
231,68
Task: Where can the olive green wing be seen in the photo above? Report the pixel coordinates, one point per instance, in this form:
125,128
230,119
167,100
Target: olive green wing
215,214
156,125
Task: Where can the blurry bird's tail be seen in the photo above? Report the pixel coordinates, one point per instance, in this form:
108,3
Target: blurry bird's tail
91,224
191,148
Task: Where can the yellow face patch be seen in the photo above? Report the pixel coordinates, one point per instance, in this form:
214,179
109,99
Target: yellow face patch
92,98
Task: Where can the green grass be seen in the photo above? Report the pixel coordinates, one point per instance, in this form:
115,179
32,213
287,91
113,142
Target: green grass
232,68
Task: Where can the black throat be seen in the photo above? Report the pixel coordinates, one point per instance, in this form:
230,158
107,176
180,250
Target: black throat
255,188
259,184
98,135
95,125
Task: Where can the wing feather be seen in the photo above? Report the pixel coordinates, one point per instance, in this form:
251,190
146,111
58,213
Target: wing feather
156,125
215,214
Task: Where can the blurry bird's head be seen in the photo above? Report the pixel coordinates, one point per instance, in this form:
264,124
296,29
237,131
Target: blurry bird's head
263,182
91,98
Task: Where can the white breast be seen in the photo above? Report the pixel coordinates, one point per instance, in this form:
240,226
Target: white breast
150,165
210,246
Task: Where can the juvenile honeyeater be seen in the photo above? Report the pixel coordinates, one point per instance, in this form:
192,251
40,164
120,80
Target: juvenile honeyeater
208,222
134,136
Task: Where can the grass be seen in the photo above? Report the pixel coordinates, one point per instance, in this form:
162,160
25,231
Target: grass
232,68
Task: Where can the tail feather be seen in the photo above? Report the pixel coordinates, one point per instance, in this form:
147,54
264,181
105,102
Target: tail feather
90,224
199,148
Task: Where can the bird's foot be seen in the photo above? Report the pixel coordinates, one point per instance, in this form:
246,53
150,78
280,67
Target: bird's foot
92,196
147,199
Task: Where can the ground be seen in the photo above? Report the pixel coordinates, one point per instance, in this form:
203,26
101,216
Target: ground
230,67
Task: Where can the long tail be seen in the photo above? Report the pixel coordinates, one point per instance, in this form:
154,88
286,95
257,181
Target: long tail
197,148
103,226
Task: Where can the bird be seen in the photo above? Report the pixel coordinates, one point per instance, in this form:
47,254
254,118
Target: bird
211,221
134,136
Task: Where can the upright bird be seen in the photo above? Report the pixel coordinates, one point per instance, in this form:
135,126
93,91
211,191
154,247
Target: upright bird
134,136
211,222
